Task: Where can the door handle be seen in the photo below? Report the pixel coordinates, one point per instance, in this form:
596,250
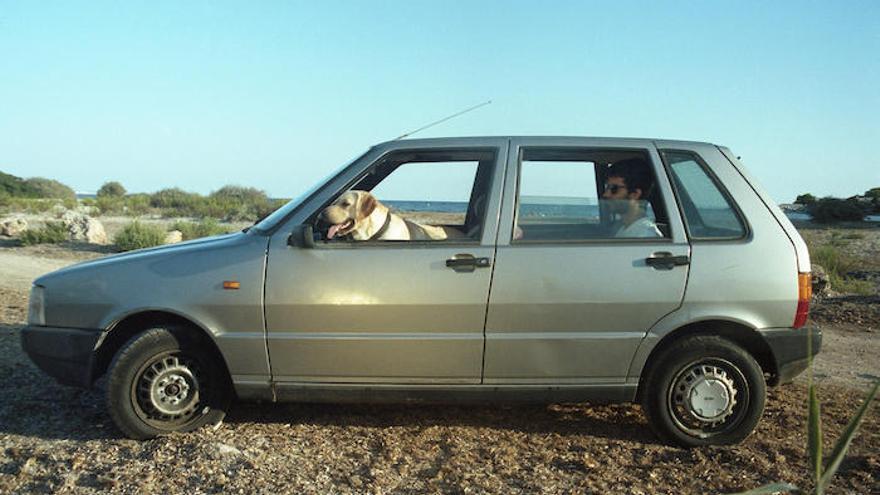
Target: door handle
467,262
664,260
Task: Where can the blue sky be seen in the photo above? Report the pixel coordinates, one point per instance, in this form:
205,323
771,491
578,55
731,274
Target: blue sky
276,95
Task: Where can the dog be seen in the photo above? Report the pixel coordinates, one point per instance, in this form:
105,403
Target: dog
359,215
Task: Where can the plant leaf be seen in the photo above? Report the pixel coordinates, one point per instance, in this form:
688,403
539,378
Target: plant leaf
771,489
845,439
814,436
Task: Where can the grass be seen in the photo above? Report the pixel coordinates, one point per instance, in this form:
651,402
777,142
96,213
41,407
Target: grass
837,265
51,233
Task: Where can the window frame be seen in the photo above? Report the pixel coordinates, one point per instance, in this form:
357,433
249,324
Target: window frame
719,185
646,154
421,244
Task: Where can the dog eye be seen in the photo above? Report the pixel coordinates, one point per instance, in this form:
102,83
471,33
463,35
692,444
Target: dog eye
346,204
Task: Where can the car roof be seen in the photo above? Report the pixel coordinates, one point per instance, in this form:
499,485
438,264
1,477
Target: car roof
586,140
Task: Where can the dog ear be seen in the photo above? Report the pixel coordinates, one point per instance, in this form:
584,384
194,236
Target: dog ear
367,205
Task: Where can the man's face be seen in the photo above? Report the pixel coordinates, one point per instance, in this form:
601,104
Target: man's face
617,195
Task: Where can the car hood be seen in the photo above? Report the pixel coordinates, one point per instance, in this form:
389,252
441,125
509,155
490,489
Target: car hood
144,255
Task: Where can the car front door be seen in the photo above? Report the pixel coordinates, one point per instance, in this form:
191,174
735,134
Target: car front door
576,287
391,311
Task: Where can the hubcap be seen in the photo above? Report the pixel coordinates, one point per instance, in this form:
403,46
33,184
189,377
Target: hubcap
705,395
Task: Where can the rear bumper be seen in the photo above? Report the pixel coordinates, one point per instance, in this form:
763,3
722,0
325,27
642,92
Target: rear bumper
63,353
790,349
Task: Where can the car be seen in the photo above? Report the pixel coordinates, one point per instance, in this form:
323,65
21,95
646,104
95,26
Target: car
569,269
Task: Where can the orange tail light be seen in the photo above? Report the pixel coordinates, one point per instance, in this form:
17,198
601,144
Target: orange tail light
805,292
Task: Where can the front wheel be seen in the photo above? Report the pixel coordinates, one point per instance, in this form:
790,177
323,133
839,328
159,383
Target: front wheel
704,390
162,380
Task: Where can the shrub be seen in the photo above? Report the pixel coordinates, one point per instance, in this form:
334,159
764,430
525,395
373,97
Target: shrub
137,235
805,199
204,228
181,202
50,233
111,188
237,203
137,204
828,210
109,204
11,185
48,188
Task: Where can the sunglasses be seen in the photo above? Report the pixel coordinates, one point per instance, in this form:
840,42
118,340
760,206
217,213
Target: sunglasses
613,188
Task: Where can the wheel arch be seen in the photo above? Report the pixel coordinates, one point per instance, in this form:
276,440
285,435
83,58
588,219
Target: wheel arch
744,336
134,323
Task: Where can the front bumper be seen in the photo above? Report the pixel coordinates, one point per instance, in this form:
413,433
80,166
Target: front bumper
790,350
63,353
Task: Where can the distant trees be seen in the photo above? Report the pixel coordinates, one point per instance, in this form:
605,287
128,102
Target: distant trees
111,189
829,209
805,199
48,188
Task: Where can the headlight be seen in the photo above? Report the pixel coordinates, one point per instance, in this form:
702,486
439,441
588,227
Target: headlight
37,306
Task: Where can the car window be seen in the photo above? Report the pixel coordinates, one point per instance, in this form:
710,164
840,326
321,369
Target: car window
570,195
413,196
708,211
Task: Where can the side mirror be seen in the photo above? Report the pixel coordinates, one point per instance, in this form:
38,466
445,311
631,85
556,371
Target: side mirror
303,236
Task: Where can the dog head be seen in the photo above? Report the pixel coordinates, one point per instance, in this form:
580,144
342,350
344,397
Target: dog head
349,214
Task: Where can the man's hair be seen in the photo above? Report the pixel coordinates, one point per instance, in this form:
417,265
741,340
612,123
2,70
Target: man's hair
636,173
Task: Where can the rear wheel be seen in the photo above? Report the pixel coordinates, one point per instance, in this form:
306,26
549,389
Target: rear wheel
704,390
163,380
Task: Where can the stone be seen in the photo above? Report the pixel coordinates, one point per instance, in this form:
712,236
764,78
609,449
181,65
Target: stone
173,237
819,279
13,227
84,228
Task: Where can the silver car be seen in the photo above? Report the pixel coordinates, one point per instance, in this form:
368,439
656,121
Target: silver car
555,269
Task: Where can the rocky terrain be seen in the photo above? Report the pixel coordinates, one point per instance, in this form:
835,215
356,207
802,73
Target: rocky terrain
60,439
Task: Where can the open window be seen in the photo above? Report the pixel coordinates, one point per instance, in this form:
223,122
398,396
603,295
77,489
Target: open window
431,195
563,195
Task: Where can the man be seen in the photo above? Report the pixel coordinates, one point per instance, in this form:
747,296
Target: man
627,185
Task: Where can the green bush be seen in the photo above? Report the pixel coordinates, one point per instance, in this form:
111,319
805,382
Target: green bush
50,233
204,228
237,203
111,188
175,202
829,210
11,185
48,188
137,235
137,204
109,204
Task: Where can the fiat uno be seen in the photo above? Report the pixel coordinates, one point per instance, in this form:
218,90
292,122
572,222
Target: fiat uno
550,269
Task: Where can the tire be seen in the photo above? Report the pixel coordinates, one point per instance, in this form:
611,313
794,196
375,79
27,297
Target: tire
703,390
163,380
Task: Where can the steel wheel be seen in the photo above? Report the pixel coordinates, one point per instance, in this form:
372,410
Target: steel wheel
707,397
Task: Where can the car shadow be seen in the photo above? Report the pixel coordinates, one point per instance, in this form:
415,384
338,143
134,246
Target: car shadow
611,421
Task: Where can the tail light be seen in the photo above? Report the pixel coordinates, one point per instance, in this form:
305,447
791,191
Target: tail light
805,292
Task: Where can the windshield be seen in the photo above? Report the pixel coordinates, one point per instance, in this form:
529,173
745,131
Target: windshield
281,213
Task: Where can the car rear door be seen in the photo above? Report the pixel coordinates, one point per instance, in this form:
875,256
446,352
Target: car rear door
570,303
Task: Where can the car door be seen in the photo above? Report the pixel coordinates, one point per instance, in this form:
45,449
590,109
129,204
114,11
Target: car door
388,311
571,302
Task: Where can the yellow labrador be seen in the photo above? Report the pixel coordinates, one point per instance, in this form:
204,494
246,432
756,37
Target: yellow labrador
361,215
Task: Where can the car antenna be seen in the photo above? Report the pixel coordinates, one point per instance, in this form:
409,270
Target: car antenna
432,124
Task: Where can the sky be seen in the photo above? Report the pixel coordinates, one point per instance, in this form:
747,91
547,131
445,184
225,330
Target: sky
276,95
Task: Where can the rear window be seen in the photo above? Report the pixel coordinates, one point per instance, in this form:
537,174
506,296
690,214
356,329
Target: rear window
708,210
